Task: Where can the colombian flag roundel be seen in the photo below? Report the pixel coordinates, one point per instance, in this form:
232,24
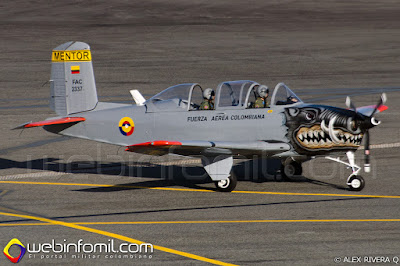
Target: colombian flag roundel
126,126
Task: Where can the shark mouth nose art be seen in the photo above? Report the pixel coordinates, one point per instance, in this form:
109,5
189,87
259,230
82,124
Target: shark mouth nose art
322,137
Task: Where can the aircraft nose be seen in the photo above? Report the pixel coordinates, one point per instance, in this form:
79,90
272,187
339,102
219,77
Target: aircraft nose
371,122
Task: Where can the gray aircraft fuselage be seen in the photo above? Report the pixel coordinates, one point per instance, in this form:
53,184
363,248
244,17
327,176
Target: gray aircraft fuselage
210,125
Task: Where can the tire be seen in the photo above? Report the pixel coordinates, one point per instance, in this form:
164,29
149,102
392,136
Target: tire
290,171
298,168
356,183
226,185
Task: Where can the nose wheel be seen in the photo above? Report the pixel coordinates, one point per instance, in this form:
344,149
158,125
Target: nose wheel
356,183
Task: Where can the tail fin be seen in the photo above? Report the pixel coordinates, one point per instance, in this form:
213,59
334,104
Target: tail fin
73,89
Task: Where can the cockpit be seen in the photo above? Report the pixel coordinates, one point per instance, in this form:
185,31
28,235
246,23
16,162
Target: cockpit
240,94
284,96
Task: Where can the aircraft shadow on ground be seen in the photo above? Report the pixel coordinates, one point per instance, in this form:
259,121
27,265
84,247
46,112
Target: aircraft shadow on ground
189,176
217,207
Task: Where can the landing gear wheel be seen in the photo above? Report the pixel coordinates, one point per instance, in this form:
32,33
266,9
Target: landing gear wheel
298,168
356,183
228,184
289,171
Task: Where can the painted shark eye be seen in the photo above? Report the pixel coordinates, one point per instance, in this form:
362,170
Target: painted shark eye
353,126
310,116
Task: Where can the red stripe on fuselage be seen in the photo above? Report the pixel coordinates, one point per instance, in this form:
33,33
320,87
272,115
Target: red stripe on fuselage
157,143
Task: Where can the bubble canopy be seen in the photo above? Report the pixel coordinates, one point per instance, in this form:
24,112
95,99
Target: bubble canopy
237,94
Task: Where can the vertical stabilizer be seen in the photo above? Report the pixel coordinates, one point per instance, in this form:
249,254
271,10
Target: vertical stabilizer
72,83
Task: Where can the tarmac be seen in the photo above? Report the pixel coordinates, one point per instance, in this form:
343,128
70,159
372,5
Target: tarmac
60,190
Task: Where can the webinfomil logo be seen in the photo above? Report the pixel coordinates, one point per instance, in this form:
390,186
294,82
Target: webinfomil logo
18,243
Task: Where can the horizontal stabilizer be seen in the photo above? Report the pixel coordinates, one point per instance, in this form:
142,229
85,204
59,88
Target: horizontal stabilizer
64,120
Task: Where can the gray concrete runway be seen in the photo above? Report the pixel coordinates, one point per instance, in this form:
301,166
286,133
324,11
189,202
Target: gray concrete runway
65,189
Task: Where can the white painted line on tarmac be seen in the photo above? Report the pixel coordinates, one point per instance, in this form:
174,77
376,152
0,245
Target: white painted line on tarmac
180,162
383,146
33,175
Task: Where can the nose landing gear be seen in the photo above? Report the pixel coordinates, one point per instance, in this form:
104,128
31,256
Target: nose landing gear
354,181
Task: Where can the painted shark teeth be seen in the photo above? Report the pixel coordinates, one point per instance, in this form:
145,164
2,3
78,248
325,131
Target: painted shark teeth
319,137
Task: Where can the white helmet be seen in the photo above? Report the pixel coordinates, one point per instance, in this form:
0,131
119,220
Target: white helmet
208,93
262,91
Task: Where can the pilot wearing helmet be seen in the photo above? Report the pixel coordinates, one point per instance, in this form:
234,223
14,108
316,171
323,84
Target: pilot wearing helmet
262,99
291,99
208,102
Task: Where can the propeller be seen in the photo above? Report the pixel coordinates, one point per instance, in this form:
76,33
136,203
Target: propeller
373,122
367,165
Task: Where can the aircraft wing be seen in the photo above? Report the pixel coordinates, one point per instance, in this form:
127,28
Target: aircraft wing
367,110
211,148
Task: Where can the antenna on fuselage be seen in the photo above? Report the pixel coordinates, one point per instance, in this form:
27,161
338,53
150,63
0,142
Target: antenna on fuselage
137,97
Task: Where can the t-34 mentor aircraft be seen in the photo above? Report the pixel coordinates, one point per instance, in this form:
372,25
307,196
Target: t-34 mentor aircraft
173,122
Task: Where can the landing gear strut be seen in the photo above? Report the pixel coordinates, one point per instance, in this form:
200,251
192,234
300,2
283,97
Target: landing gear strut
219,168
354,181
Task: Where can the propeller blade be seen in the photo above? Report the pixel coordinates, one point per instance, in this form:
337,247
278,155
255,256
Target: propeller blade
367,165
350,104
381,102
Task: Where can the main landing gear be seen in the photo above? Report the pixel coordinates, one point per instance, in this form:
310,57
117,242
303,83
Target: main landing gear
227,184
290,170
354,181
219,168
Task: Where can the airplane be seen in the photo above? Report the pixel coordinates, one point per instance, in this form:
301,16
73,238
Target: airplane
172,122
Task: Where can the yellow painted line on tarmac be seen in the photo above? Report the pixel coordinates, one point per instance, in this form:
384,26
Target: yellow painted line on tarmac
102,185
116,236
317,194
214,222
202,190
24,224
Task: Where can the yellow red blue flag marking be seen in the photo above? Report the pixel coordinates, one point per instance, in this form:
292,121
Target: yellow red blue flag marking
126,126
